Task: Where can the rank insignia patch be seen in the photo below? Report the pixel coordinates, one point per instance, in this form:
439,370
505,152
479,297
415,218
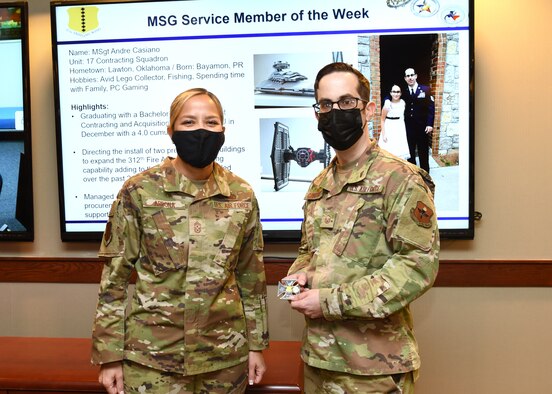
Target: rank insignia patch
328,219
197,227
421,214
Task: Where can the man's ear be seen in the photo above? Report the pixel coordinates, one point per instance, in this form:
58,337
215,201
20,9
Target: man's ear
370,110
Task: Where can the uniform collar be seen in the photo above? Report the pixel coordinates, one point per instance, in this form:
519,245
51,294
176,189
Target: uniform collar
173,181
359,171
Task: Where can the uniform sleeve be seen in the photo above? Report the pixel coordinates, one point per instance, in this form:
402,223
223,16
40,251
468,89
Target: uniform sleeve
409,272
251,280
120,246
302,262
305,254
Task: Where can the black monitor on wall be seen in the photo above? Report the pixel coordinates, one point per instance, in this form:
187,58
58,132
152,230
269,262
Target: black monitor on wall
115,77
16,191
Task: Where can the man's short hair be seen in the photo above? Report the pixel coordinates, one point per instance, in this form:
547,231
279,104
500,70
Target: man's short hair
363,83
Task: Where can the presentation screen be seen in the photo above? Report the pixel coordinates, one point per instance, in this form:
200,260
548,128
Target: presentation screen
16,194
118,66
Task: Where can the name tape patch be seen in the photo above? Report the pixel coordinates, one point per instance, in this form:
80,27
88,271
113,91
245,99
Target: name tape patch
361,189
161,204
232,204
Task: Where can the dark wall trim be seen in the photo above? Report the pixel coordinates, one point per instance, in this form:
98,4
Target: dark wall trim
452,273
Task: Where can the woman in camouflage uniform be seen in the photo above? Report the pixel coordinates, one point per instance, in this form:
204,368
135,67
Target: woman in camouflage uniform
190,230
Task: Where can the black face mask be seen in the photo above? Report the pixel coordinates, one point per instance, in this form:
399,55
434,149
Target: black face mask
341,128
198,148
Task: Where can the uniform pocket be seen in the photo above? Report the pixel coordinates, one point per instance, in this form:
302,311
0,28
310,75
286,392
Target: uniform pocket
165,249
362,228
231,234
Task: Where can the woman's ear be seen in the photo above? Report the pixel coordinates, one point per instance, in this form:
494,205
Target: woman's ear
169,131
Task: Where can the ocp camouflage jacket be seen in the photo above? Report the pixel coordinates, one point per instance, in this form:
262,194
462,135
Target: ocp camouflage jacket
370,245
199,302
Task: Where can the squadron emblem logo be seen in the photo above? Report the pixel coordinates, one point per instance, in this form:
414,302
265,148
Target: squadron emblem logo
83,19
421,215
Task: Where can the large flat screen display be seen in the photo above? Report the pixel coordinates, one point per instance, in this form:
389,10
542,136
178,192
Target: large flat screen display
16,192
118,65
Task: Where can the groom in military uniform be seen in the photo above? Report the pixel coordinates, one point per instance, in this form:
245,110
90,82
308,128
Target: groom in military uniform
418,116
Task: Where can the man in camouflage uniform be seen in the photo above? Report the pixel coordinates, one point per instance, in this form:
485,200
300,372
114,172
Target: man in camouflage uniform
198,311
369,248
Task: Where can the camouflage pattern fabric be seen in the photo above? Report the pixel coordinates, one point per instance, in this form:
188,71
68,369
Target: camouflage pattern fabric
321,381
199,302
139,379
370,243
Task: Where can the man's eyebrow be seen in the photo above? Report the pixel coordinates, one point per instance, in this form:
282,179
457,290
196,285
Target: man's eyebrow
346,95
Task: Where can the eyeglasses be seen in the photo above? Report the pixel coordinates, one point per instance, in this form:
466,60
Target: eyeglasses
326,106
409,75
395,91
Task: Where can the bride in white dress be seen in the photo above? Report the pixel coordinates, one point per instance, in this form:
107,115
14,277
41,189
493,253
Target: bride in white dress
393,131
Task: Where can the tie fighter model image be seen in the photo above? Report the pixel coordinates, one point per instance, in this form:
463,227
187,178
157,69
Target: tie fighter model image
285,81
282,154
